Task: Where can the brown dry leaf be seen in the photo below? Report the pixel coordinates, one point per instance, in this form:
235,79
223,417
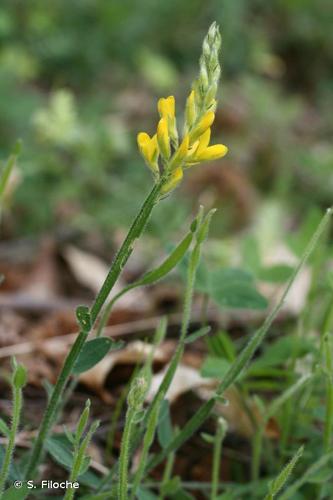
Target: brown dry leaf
88,269
43,280
236,415
11,328
91,272
185,379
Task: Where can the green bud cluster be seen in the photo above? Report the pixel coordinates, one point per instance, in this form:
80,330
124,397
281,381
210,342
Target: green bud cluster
205,86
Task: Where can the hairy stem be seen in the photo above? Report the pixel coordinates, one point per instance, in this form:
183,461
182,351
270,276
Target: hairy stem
115,270
17,406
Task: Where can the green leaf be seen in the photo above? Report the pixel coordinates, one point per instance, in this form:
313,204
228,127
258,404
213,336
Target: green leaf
278,352
164,426
14,470
322,476
85,465
221,345
208,438
20,377
172,486
84,318
237,295
214,367
145,494
275,274
276,485
4,429
170,262
5,173
181,494
13,493
251,253
197,335
61,450
93,352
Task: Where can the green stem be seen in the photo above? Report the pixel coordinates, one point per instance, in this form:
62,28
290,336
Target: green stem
115,270
244,357
17,406
256,453
166,474
124,455
329,394
147,442
126,249
220,433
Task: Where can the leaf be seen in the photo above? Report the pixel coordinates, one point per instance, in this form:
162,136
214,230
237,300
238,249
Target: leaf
83,318
145,494
172,486
221,345
321,476
214,367
276,485
94,351
164,426
229,287
5,174
60,449
207,437
251,253
170,262
275,274
239,296
197,335
278,352
14,493
4,429
181,494
14,471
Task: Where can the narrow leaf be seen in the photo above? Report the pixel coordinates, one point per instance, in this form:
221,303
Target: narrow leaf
197,335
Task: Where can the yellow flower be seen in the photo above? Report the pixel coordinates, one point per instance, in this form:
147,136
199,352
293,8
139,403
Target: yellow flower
201,151
203,142
205,122
212,153
166,107
174,180
163,138
149,149
180,154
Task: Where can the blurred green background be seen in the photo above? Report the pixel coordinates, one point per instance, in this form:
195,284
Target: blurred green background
79,79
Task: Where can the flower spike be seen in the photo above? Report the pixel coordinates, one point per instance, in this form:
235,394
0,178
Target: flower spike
194,147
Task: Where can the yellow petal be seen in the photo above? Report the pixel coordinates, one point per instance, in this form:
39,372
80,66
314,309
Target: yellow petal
212,153
173,181
183,148
180,154
205,122
203,142
166,107
163,138
149,149
143,141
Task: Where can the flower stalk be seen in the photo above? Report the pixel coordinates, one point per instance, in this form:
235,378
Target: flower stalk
18,382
